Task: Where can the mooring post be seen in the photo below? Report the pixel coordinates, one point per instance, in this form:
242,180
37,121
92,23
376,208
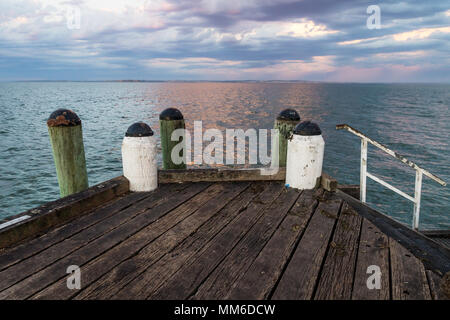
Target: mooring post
170,120
139,158
285,123
66,137
305,156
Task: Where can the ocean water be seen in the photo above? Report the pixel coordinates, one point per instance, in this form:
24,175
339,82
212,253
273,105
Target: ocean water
412,119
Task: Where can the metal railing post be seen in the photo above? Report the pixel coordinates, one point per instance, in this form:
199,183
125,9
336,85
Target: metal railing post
363,173
417,195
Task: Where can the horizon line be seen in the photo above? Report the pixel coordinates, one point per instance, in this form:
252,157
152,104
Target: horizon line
237,81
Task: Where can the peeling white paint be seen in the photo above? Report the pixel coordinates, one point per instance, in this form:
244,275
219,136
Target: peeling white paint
304,161
139,163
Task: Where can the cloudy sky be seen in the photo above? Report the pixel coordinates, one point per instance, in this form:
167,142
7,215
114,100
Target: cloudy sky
325,40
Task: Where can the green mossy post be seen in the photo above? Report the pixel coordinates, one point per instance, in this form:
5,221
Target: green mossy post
66,137
285,123
170,120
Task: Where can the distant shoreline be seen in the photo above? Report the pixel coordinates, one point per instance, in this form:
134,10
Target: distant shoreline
181,81
220,81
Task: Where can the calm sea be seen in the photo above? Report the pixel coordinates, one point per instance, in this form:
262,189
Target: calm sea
412,119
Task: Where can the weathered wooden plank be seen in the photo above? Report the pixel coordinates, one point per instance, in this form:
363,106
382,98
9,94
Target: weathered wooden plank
336,278
350,189
158,274
445,242
260,278
57,270
442,237
409,281
300,277
143,280
192,274
34,246
436,233
285,128
328,183
373,251
433,255
68,154
46,257
218,284
166,128
153,242
218,175
62,210
439,286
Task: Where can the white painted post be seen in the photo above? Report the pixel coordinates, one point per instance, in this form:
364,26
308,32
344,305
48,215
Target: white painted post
363,173
417,195
139,158
305,156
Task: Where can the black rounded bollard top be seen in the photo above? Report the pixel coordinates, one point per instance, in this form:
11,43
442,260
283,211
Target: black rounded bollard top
289,114
63,118
171,114
307,128
139,129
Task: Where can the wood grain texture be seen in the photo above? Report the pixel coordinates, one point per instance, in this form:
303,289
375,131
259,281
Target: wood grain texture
68,153
300,277
224,240
409,281
373,250
218,175
439,286
184,283
218,284
285,128
55,213
350,189
443,241
436,233
61,249
148,245
146,283
328,183
166,127
336,278
261,277
433,255
38,281
34,246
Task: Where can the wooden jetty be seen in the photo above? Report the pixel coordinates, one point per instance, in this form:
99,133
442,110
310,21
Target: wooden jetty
226,233
217,234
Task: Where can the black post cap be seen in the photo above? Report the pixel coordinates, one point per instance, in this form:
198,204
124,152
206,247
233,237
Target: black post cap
63,117
171,114
139,129
289,114
307,128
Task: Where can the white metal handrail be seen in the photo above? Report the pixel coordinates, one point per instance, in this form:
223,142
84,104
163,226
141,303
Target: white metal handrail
364,174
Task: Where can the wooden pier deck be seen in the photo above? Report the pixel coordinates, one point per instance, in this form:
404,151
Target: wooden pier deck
217,240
